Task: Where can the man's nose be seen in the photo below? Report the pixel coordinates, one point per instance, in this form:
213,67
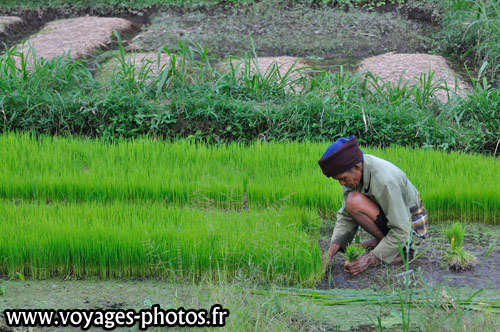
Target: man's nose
342,182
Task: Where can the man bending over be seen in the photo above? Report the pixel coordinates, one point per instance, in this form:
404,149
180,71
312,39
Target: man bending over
378,197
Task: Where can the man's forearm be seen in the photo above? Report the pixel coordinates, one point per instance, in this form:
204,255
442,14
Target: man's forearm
331,252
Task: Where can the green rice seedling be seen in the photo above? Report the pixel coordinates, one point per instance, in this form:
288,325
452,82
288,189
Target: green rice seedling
125,239
186,173
457,258
3,286
352,252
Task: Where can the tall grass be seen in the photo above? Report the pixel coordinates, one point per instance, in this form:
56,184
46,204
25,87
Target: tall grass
473,29
121,239
246,78
188,64
452,185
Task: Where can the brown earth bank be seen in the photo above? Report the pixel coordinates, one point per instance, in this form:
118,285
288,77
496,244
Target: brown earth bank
78,37
34,20
8,24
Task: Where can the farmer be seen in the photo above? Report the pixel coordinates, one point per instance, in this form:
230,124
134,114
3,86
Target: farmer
378,197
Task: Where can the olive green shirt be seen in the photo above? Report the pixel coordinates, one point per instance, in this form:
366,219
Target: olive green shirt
389,186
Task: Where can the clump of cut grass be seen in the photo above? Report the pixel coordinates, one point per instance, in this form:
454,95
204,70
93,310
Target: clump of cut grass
352,252
457,258
64,37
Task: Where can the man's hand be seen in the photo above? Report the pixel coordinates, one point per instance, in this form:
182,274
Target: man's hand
361,264
370,244
331,252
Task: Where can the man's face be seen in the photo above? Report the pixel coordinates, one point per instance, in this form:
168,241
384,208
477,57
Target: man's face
350,178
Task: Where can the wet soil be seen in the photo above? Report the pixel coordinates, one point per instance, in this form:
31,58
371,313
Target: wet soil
328,36
428,269
141,294
315,33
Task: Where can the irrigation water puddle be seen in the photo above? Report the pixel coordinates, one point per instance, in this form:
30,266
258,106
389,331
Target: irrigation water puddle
481,240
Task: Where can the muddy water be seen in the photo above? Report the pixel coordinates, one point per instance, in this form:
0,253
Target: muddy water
336,64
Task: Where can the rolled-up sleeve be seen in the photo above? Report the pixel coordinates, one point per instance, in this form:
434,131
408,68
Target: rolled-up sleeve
390,199
345,227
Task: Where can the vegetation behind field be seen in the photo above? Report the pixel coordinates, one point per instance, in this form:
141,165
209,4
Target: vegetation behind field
191,99
194,100
370,4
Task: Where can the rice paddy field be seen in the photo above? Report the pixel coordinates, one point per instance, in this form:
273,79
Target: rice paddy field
191,179
182,210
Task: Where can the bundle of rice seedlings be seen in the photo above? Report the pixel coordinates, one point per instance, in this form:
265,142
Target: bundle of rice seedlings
353,251
457,258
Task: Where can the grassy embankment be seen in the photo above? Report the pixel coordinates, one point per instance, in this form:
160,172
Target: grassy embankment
472,29
190,98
